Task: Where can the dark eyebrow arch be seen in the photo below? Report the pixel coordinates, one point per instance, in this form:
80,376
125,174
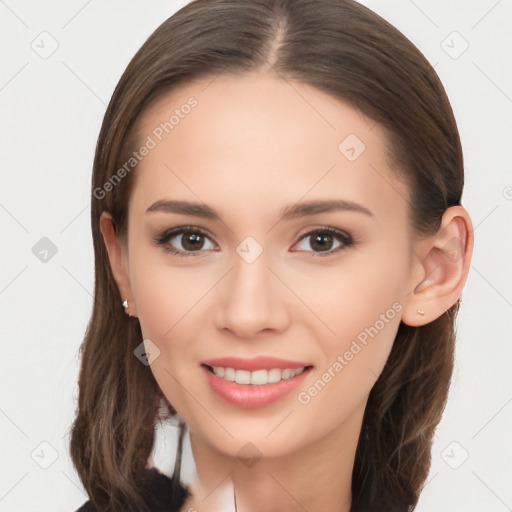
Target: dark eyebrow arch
290,212
322,206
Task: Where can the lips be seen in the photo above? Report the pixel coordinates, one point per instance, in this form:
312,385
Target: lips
252,383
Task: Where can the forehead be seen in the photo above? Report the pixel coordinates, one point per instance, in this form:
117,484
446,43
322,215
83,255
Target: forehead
259,139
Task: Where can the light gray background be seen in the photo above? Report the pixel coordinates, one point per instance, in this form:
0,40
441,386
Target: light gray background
51,110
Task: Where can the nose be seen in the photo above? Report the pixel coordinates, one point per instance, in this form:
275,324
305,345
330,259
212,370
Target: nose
251,300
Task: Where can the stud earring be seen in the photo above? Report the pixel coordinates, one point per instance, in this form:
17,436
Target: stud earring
421,312
125,306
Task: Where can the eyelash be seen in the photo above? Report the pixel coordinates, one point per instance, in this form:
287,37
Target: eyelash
341,236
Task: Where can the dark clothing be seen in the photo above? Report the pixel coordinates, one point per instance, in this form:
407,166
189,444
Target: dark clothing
157,494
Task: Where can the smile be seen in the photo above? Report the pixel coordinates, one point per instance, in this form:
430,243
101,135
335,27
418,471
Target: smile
257,377
253,383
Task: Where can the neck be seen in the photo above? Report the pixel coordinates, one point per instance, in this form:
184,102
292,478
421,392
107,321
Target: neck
315,477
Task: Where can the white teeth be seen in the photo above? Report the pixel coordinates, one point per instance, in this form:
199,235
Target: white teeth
242,377
274,375
229,373
257,377
287,373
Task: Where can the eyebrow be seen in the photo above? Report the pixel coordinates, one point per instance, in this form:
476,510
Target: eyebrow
290,212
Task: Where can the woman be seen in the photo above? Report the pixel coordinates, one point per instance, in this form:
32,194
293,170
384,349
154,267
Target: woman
280,251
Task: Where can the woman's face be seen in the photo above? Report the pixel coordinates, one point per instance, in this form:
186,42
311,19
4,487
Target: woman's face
298,248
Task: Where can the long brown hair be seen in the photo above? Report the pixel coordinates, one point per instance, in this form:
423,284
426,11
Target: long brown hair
346,50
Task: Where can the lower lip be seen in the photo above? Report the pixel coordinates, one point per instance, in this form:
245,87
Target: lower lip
250,396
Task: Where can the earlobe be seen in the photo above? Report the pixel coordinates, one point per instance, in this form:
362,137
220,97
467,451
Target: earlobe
118,261
445,261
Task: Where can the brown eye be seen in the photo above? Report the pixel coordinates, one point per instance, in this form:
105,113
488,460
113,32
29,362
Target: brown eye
184,241
328,240
192,241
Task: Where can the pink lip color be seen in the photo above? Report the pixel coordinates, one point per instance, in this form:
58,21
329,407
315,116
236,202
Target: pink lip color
250,396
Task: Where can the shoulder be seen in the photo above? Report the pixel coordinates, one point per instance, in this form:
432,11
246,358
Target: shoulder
86,507
158,489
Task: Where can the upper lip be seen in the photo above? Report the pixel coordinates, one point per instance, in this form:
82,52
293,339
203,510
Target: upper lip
256,363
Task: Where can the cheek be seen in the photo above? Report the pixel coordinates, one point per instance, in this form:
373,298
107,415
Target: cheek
166,296
169,307
362,304
359,304
344,300
352,360
174,310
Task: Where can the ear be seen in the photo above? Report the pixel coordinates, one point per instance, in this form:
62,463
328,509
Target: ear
118,256
443,262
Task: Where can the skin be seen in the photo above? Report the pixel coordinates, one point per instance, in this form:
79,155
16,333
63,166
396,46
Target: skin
254,145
